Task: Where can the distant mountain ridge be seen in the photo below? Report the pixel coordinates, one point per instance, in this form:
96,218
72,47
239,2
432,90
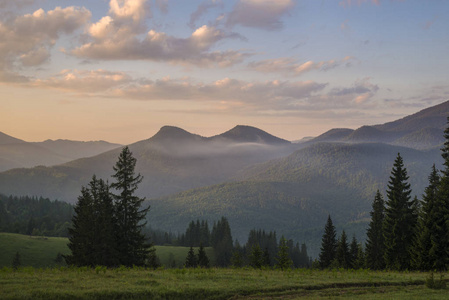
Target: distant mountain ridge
422,130
17,153
171,161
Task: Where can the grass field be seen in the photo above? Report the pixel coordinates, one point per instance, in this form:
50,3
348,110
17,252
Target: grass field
85,283
41,252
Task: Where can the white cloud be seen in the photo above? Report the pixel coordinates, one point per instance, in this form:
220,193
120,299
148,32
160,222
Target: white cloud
291,67
80,81
112,43
28,39
263,14
129,9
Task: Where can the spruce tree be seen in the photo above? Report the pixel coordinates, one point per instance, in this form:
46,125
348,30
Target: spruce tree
342,255
266,259
439,252
103,225
132,246
353,253
191,260
203,260
400,219
284,261
375,240
328,244
256,257
81,237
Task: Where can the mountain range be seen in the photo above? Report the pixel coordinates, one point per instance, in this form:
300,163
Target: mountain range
255,179
16,153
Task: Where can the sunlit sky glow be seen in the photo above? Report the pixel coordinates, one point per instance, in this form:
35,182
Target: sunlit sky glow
119,70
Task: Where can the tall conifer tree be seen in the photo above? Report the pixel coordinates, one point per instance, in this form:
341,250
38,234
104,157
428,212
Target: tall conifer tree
375,247
400,219
132,247
80,234
342,255
439,252
328,244
431,227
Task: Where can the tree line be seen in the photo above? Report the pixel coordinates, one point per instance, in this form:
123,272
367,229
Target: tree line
35,216
404,232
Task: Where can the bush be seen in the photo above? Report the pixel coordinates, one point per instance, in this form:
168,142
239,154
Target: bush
434,284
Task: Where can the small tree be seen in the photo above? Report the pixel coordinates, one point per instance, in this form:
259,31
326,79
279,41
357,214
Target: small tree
328,244
16,261
191,261
353,253
284,261
203,260
256,257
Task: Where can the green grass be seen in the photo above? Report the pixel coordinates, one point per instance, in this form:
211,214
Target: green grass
35,251
168,254
122,283
40,252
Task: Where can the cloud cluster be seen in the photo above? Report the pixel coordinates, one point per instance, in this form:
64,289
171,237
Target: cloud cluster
27,40
291,67
264,14
119,37
84,82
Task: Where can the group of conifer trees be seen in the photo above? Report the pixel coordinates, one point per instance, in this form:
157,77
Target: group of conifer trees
404,233
338,253
106,227
262,249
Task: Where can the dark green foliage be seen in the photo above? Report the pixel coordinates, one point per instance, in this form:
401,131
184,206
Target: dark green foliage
266,259
328,244
221,241
439,252
31,215
353,253
431,228
197,233
191,260
237,259
400,219
284,261
81,238
16,262
256,257
360,262
266,241
203,260
107,232
375,239
92,237
342,255
131,243
435,284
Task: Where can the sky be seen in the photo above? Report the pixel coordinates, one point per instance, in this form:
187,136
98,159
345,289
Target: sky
118,70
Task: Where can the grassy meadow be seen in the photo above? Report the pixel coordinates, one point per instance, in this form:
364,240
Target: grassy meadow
122,283
41,252
40,277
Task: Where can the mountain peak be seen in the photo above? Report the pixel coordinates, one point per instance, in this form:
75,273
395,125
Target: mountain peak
249,134
173,133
